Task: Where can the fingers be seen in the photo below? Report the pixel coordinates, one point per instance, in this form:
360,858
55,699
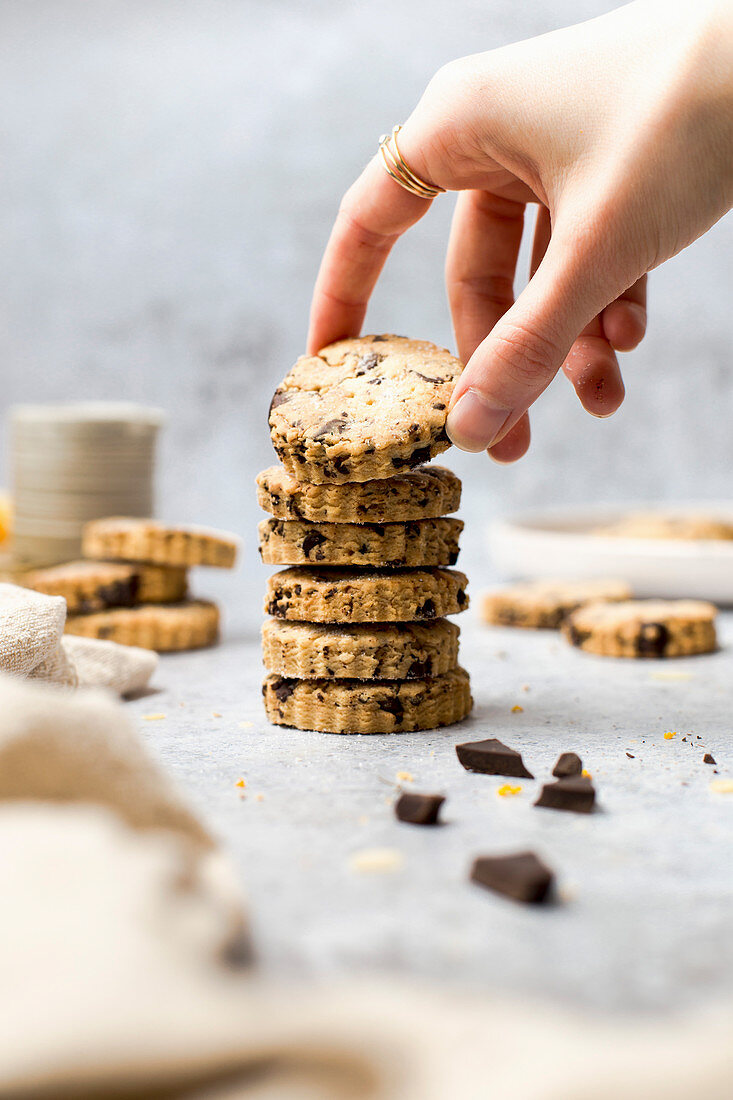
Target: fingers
624,321
591,365
593,369
374,213
482,258
515,443
526,348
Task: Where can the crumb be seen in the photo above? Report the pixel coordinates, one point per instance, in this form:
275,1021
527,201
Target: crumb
722,786
405,777
259,798
378,861
516,709
525,687
671,675
631,756
215,714
152,717
506,790
245,725
708,758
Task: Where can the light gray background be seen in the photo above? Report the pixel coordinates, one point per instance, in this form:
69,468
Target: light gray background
169,171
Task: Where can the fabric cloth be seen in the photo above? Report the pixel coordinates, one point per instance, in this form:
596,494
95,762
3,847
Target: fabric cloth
33,644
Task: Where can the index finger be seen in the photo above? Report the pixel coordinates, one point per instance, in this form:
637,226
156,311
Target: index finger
374,213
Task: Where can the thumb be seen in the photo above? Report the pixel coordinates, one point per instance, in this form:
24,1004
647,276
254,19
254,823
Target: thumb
528,345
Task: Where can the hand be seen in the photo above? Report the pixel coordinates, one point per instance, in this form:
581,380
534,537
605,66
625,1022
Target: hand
622,130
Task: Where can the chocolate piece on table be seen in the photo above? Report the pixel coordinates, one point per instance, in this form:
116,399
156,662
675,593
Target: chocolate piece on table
491,757
576,793
522,877
419,809
708,759
568,763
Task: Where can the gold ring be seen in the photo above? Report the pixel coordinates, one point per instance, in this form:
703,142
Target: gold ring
397,167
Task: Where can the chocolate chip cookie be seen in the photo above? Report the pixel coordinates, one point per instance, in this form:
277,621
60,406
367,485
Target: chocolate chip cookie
658,525
360,651
544,604
94,585
425,493
377,706
147,540
190,624
419,542
363,408
365,595
643,628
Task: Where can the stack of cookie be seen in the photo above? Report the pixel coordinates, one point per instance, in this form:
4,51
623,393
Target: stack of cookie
357,641
132,585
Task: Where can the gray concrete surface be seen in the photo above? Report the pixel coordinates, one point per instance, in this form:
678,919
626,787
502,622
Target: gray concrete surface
646,882
170,171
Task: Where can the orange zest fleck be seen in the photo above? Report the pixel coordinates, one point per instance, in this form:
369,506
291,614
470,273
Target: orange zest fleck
240,783
516,709
507,790
670,735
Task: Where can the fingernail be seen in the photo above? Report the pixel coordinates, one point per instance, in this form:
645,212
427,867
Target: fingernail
474,423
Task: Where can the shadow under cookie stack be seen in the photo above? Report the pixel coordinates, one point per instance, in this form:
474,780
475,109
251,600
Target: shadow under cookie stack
357,640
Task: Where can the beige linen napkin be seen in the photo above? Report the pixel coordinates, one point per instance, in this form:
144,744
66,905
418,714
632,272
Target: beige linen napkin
32,644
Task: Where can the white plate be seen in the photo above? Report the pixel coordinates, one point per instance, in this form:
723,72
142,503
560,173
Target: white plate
559,544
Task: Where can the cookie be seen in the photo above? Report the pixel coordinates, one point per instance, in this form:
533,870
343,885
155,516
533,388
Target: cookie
363,408
419,542
362,651
643,628
93,585
425,493
191,624
147,540
544,604
656,525
365,595
378,706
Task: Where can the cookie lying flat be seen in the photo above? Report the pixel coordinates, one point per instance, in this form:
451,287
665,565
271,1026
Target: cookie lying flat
362,651
358,706
147,540
544,604
419,542
425,493
655,525
643,628
191,624
93,585
363,408
365,595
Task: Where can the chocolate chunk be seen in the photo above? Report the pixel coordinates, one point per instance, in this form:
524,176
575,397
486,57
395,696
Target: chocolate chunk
283,689
653,639
461,597
311,541
419,809
393,705
420,455
568,763
279,397
379,339
367,362
341,464
630,756
576,794
576,637
522,877
419,670
436,379
426,610
491,757
331,427
439,406
708,759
